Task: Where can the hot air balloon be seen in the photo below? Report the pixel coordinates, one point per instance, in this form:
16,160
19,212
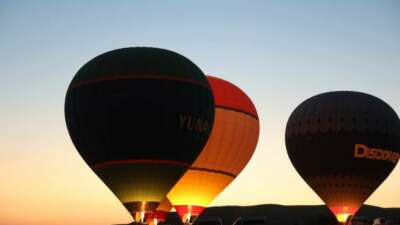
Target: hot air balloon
160,213
343,144
139,117
231,144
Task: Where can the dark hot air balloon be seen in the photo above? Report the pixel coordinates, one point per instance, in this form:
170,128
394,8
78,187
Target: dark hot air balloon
139,117
343,144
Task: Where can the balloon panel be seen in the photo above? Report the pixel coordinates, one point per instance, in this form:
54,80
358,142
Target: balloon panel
231,144
139,182
124,119
228,95
165,205
199,188
140,62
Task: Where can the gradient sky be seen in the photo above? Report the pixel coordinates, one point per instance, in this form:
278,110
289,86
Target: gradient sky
279,52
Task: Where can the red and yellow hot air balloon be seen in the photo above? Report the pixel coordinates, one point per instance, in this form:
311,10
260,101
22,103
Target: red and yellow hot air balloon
231,144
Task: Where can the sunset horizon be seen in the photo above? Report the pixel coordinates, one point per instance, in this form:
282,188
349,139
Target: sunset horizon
255,85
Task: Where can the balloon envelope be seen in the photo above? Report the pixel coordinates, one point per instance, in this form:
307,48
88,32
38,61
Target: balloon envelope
231,144
343,144
139,117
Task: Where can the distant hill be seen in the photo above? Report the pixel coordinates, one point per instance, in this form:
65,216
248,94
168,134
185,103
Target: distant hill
291,215
287,215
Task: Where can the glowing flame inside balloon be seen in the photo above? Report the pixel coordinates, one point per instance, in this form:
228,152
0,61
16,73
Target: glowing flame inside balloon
142,212
189,214
342,217
343,213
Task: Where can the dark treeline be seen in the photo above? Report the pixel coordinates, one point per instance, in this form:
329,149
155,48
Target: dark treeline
288,215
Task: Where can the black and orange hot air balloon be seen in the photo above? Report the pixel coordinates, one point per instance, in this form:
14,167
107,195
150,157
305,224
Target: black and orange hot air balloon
344,144
139,117
232,142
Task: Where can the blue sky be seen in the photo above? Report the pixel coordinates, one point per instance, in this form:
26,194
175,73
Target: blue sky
279,52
